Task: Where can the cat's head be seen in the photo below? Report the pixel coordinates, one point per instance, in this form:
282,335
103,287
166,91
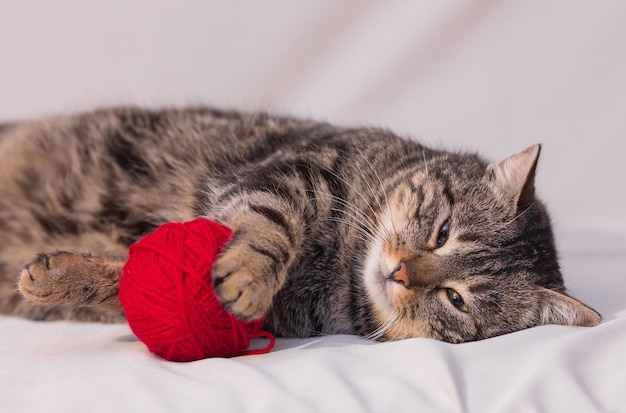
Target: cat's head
465,251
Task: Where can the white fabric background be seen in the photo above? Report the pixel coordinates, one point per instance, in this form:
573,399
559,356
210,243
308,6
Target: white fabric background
490,76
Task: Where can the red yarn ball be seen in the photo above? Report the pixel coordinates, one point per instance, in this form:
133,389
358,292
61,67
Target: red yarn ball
167,295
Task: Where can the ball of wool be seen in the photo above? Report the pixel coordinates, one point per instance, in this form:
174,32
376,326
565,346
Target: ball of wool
167,295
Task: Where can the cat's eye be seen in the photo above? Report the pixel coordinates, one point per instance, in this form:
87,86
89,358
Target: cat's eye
456,300
444,232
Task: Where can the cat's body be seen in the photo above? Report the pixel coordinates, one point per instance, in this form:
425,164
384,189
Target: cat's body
336,230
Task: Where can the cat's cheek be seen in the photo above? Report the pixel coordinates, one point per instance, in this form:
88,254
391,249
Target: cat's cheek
402,299
403,325
376,287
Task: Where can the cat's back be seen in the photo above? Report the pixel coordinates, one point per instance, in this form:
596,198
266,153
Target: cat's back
146,145
116,129
121,134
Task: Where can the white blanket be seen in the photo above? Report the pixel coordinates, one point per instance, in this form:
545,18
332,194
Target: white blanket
65,367
479,75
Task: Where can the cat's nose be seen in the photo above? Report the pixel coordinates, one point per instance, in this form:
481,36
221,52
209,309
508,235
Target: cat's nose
401,274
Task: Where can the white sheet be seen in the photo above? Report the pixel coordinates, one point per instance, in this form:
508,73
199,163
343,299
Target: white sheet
494,76
54,367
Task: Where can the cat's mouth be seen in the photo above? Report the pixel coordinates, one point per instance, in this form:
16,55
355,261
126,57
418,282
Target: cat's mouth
387,280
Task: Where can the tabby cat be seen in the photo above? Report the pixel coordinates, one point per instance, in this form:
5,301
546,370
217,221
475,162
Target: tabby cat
336,230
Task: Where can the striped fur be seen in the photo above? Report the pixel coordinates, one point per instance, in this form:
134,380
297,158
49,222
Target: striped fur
336,230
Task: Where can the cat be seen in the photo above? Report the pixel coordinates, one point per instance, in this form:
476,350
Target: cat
336,230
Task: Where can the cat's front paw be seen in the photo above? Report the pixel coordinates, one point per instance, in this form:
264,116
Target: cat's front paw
242,282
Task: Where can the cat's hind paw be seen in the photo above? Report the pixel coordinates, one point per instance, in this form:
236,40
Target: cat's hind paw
69,278
41,280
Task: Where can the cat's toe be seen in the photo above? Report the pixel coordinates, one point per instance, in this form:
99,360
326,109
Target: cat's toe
45,278
239,289
35,281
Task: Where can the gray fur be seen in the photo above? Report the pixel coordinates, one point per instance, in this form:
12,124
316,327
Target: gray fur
335,229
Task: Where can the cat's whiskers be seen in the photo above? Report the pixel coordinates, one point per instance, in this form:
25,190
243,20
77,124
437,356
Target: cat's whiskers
516,217
384,328
382,187
425,164
353,222
377,334
370,224
496,303
369,229
381,331
531,290
514,292
365,236
317,333
367,203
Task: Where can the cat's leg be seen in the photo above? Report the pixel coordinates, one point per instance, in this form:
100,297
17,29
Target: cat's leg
79,286
266,238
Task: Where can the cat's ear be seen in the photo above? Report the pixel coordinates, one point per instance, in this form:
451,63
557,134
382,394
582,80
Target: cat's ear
560,308
514,177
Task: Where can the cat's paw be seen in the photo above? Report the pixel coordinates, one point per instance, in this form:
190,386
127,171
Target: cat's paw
242,282
43,279
63,277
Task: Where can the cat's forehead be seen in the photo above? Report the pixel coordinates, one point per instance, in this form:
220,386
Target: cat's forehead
465,166
458,176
